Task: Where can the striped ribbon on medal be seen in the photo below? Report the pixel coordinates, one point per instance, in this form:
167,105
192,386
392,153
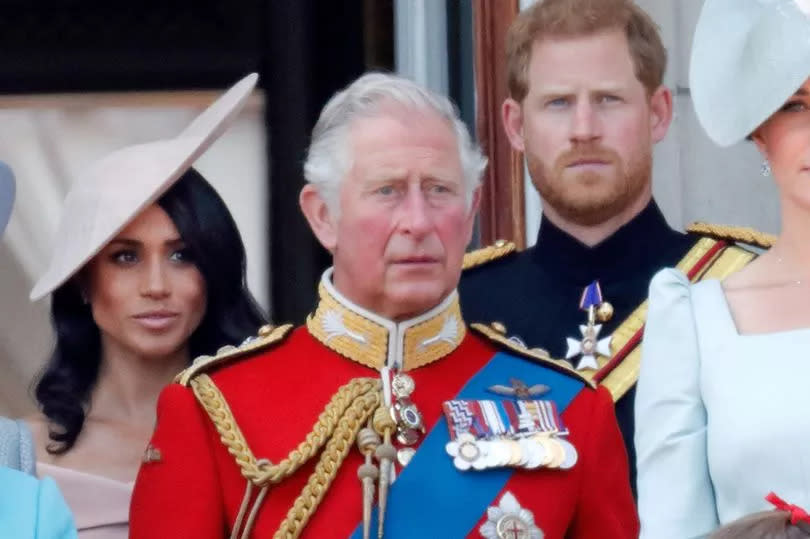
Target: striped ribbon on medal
487,419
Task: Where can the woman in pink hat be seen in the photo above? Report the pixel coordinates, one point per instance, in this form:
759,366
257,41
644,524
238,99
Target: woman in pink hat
148,272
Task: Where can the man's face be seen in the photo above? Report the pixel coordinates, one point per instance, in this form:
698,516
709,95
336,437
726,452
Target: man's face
404,222
587,126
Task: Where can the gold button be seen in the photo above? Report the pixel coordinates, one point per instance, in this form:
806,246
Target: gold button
604,312
265,330
500,243
499,327
200,359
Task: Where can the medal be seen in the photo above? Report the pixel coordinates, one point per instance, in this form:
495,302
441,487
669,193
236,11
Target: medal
499,454
467,452
535,453
404,412
571,455
590,346
557,452
515,453
495,434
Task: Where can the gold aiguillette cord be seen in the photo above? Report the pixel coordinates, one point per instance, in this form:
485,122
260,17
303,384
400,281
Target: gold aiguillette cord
386,453
367,441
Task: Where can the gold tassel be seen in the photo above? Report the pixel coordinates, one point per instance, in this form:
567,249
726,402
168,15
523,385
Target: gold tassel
367,441
386,453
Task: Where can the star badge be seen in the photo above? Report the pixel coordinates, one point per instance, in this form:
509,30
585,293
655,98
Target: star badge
589,347
508,520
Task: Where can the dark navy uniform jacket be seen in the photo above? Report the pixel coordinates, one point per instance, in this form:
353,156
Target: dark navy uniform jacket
536,293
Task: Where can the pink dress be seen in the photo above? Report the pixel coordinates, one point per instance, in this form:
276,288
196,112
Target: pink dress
100,505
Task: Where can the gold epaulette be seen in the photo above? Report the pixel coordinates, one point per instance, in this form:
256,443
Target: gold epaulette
492,252
267,335
497,334
740,234
709,258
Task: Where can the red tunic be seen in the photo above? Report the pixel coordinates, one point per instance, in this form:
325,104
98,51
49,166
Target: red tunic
195,488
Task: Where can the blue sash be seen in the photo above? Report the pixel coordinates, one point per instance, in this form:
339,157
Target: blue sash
431,498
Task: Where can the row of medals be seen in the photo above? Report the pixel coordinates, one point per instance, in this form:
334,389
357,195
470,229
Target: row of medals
539,450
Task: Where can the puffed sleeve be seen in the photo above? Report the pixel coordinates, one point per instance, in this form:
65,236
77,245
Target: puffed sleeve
675,495
177,494
54,520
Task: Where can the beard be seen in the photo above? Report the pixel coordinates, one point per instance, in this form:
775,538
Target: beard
590,198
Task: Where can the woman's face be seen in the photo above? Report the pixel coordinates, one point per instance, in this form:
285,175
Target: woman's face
146,294
784,140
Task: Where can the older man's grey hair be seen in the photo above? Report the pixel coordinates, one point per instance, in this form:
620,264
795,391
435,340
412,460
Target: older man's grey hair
330,154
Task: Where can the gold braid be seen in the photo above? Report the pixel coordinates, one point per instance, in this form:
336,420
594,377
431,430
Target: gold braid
328,465
261,474
220,413
734,233
486,254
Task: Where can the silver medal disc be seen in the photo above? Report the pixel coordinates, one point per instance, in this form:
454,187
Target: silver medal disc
536,454
405,455
571,455
498,455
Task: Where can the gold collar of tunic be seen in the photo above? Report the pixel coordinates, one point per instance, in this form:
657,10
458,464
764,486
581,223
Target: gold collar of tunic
377,342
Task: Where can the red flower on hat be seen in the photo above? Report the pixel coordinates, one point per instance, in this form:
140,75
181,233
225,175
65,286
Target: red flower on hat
797,514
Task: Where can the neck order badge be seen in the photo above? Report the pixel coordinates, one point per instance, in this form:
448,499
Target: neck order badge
591,346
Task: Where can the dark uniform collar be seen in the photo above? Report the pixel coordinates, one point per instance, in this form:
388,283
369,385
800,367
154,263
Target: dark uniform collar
620,255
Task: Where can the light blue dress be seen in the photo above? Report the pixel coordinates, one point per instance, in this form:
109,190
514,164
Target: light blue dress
721,418
32,508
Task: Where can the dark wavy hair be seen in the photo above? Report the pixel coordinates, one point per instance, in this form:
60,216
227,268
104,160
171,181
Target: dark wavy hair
232,314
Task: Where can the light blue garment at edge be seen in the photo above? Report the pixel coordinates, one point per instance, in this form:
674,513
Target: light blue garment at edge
722,419
16,446
32,508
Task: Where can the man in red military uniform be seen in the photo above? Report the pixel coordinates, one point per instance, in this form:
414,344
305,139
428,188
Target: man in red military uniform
386,414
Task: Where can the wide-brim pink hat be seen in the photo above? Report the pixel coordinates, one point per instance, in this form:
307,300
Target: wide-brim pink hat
116,188
6,195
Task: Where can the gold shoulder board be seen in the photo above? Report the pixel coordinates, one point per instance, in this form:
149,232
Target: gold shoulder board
497,333
709,258
740,234
492,252
267,336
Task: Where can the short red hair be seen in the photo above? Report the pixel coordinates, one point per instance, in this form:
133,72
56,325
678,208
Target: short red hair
549,19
